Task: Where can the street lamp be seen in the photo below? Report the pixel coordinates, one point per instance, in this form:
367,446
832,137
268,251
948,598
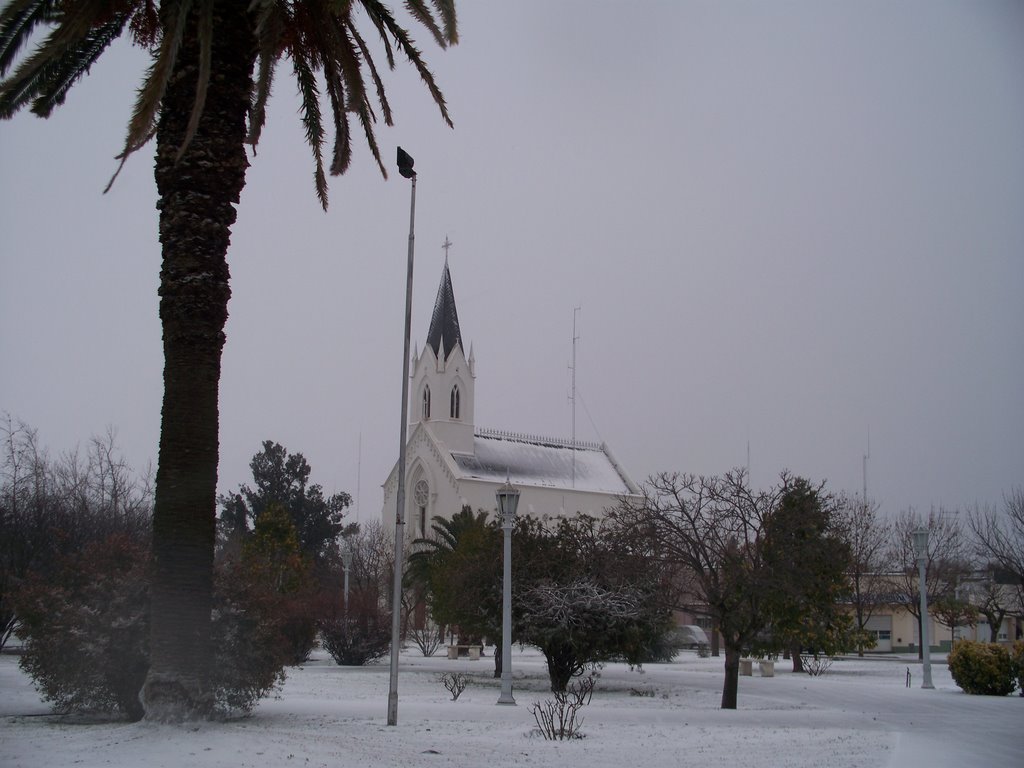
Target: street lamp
508,500
405,163
921,550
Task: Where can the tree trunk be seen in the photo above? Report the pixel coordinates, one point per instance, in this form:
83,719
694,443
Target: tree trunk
732,676
562,665
497,660
197,194
798,661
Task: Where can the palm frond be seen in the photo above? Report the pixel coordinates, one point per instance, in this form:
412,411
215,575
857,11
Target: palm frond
271,20
73,30
66,71
359,103
405,44
147,106
378,83
18,21
423,14
376,13
205,34
446,10
311,118
333,39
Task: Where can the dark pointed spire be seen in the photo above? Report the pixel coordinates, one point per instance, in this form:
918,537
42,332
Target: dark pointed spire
444,331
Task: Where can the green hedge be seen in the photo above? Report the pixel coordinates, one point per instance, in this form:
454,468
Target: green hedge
983,668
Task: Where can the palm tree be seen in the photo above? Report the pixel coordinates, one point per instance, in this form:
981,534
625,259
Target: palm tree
203,98
459,567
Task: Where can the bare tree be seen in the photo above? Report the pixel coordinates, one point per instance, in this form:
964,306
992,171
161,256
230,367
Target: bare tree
1000,537
711,527
993,601
945,560
372,561
51,508
867,536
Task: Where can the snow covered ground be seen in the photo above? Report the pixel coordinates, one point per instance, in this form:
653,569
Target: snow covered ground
859,714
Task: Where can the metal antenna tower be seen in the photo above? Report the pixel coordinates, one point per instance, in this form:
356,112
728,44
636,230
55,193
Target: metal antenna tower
572,395
359,474
867,455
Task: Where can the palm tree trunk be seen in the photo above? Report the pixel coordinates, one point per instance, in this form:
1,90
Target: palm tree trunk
197,194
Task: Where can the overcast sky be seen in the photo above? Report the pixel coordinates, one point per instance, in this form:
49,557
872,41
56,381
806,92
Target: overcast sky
792,225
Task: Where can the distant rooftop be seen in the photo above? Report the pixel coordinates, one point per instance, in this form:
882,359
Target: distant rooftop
543,461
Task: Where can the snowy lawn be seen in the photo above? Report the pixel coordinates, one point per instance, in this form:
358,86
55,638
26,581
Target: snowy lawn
858,714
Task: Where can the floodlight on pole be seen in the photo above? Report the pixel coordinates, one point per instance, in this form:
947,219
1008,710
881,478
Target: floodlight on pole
920,537
508,501
405,163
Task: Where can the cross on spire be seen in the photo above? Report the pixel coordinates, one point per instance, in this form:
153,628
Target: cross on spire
446,245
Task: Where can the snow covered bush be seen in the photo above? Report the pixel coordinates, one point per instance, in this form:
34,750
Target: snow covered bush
982,668
85,627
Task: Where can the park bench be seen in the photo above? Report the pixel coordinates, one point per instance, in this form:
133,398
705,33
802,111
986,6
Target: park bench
765,666
472,651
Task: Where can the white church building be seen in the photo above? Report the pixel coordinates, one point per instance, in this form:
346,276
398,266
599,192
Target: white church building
451,463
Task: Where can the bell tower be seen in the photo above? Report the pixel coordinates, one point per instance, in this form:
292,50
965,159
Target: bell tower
443,378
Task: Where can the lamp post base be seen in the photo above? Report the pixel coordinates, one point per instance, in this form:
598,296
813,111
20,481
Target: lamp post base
506,689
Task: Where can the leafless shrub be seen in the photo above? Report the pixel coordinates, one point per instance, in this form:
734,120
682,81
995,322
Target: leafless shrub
815,665
427,639
558,718
455,683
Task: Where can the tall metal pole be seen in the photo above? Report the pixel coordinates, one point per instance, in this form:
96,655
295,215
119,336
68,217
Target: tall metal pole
921,548
396,604
925,640
508,500
346,563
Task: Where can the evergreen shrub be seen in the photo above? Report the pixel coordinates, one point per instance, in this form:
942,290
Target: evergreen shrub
982,668
85,628
1018,664
361,636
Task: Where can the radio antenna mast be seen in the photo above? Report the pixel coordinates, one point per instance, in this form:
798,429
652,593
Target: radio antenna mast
359,474
867,455
572,395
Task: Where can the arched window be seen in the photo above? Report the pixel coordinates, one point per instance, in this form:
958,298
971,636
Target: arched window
420,495
455,402
426,401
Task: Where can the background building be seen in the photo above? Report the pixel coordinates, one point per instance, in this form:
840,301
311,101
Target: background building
452,463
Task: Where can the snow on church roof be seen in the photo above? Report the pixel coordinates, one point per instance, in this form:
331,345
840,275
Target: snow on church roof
542,461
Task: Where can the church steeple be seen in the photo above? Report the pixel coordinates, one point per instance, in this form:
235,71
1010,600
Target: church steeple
444,334
441,395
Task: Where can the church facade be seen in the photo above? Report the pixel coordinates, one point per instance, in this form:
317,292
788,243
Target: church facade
451,463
